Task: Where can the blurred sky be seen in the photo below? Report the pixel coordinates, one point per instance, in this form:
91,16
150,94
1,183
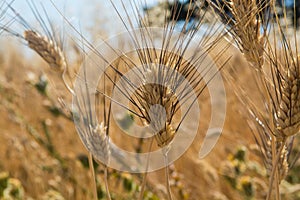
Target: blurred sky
94,19
89,17
76,9
86,15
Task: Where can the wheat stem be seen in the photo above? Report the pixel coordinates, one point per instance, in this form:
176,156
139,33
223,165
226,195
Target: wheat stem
106,182
143,184
94,182
146,172
165,151
274,172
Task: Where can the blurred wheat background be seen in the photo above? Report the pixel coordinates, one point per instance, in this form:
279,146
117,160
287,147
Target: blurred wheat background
42,156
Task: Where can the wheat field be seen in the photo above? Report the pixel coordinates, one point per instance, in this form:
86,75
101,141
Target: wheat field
64,130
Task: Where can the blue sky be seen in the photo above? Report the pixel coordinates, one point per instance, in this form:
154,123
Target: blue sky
83,14
77,9
87,16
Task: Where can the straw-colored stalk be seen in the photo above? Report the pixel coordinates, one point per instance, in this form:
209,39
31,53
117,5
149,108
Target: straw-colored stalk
98,144
285,94
288,108
279,119
158,102
53,55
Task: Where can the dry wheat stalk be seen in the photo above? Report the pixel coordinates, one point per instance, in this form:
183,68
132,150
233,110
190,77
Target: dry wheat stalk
49,48
95,136
46,44
156,101
284,92
51,52
278,119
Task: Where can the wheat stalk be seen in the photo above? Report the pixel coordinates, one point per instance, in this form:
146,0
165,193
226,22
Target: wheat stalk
156,101
151,94
285,98
288,108
50,50
46,44
95,136
279,119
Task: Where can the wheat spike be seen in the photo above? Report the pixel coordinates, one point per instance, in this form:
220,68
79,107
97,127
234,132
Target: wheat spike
47,49
278,118
98,142
247,29
245,18
288,121
154,93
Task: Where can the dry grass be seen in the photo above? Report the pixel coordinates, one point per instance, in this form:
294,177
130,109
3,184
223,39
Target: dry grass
274,123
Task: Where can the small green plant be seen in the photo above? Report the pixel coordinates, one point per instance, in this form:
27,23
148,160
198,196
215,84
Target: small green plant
10,188
238,171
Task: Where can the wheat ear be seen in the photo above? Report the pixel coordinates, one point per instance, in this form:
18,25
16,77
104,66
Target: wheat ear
47,49
50,51
244,19
286,98
288,113
94,136
280,93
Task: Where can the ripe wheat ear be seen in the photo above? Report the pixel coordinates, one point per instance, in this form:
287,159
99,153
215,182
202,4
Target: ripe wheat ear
49,46
276,121
160,66
46,41
284,90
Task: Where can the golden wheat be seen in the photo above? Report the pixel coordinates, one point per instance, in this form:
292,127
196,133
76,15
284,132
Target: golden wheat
99,143
244,20
278,119
288,109
47,49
